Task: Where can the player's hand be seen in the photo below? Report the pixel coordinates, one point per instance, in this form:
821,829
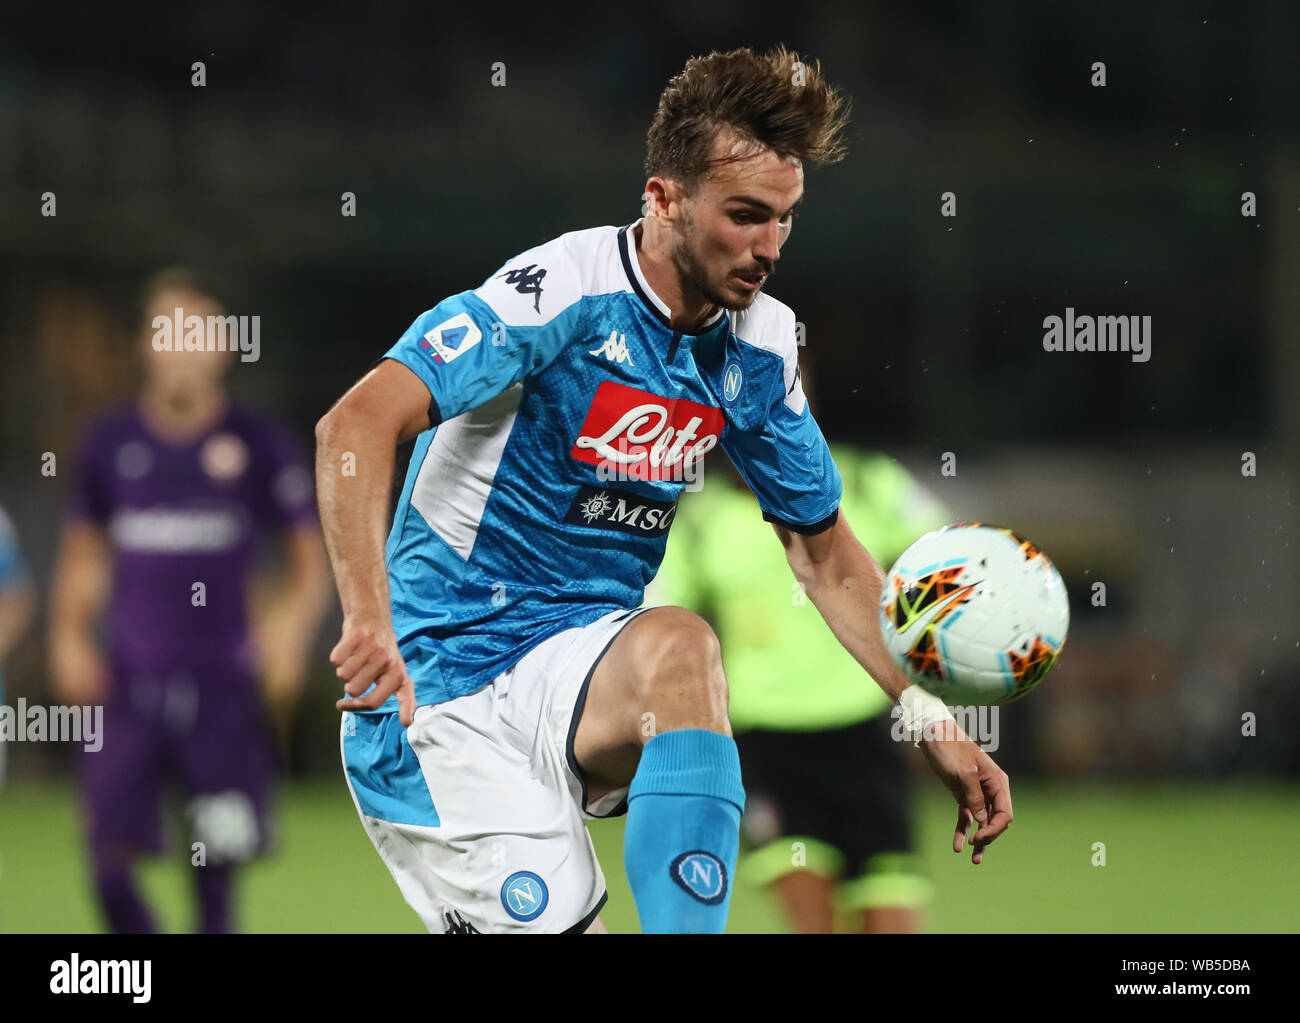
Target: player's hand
982,789
79,672
367,655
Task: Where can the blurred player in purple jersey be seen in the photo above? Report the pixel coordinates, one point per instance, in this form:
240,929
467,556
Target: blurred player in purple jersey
171,497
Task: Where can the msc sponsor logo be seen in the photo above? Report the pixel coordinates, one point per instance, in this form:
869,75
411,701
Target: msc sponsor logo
609,508
701,875
642,436
524,895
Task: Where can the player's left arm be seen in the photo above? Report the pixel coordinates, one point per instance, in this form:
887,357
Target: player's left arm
845,583
778,449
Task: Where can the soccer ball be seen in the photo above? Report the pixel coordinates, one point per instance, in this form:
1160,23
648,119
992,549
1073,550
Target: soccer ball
974,614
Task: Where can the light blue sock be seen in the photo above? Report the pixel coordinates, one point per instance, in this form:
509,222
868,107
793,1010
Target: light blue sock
683,831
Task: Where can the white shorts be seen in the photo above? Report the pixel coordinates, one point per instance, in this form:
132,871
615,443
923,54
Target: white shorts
477,809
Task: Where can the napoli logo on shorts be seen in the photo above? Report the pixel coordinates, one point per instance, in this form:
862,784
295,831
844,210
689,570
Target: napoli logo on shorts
524,895
701,875
732,379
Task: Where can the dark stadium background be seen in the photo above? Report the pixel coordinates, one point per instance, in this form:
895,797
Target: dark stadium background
926,332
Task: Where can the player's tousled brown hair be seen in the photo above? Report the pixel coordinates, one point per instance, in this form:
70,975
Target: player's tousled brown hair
773,100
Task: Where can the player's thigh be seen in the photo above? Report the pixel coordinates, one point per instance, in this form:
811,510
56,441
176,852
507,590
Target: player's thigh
477,825
663,671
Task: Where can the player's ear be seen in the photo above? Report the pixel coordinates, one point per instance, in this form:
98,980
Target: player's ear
656,199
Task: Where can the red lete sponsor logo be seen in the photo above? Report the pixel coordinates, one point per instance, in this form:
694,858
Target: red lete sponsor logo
637,435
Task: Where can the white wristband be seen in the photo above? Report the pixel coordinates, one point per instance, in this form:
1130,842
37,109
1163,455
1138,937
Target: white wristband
921,710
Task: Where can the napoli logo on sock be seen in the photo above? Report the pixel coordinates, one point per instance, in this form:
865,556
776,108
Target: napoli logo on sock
524,895
701,875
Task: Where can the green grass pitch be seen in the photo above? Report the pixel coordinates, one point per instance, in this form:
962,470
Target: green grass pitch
1204,858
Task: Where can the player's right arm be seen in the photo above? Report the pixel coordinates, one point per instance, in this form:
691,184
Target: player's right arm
355,444
78,593
462,353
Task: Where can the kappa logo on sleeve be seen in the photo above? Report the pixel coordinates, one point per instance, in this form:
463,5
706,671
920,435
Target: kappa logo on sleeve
527,280
452,338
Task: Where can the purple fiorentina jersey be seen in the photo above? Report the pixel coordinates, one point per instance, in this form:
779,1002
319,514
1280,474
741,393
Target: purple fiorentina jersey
180,515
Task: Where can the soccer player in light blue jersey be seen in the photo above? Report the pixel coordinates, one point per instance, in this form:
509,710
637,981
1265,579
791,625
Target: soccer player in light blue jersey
502,683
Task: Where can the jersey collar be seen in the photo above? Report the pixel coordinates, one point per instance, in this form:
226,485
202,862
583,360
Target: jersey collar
632,268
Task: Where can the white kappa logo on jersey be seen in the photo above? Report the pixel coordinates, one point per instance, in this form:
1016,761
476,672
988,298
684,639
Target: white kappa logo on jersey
615,349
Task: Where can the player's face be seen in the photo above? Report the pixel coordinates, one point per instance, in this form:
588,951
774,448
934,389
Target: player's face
733,227
177,368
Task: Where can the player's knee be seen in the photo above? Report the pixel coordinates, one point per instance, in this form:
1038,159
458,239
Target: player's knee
680,662
675,641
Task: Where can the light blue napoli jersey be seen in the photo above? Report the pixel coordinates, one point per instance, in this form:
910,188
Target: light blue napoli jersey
569,417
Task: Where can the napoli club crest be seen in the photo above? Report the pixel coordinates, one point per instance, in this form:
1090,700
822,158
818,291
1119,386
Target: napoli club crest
701,875
732,379
524,895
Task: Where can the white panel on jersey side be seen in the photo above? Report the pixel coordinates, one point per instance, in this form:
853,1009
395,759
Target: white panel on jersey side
769,324
455,479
